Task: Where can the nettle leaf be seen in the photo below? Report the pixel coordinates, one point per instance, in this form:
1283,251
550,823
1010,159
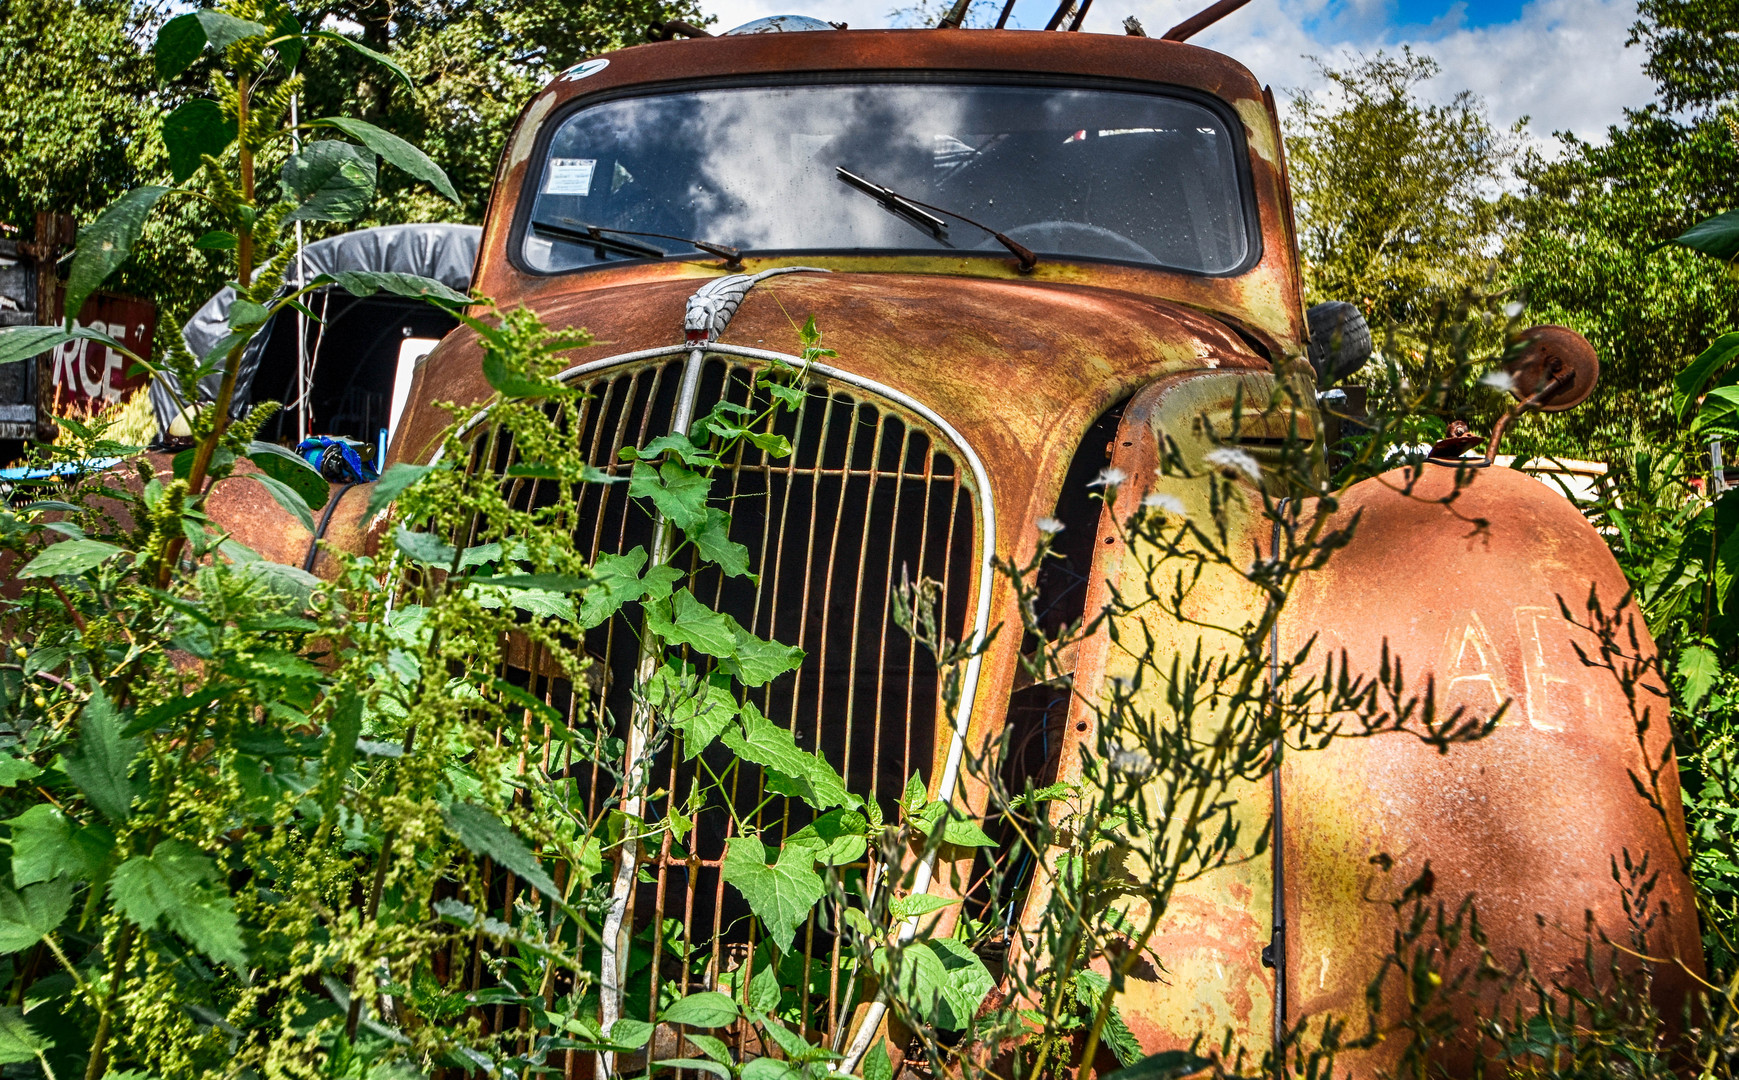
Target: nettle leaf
484,834
679,494
790,770
393,483
46,844
1699,667
104,758
780,895
329,180
197,128
425,547
712,540
1090,987
293,470
107,242
708,1009
28,916
19,1042
178,885
396,152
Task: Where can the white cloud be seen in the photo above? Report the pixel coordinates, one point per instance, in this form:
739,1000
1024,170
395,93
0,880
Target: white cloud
1562,62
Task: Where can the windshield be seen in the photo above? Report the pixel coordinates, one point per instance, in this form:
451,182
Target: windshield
1102,174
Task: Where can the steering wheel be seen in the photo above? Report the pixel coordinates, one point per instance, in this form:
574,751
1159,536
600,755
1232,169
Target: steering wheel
1076,238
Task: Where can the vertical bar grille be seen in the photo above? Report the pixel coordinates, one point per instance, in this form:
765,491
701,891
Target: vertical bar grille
867,498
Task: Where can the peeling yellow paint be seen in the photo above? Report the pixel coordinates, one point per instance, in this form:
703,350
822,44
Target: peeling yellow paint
1259,127
528,126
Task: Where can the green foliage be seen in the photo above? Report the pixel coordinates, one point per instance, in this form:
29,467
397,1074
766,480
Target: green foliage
1395,196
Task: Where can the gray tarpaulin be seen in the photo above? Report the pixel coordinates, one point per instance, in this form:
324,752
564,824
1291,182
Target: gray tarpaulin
443,252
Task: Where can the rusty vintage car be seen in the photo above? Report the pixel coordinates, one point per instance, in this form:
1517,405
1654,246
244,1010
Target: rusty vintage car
1038,256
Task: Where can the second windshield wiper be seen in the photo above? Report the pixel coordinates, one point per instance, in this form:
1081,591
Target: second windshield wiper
918,213
600,236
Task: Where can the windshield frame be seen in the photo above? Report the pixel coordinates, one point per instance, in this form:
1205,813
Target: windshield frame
552,123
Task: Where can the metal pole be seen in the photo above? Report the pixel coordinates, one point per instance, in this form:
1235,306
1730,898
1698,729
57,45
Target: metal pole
301,319
1717,470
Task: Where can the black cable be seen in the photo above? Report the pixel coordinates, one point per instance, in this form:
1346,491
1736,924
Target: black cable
320,533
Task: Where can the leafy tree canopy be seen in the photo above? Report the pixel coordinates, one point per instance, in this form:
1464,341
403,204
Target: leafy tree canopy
1398,199
80,103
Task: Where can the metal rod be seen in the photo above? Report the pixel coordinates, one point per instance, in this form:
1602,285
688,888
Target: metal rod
301,319
1080,16
614,940
1007,10
1201,20
956,15
1062,13
1277,837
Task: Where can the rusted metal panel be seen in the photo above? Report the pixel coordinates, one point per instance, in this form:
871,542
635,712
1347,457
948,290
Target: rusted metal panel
1211,938
1465,589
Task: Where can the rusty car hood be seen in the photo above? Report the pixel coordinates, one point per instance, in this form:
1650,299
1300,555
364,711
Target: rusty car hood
1020,369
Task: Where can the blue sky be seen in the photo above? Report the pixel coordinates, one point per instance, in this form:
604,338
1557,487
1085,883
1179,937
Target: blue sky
1465,12
1562,63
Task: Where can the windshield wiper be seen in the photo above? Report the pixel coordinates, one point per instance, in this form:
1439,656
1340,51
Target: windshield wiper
918,213
595,235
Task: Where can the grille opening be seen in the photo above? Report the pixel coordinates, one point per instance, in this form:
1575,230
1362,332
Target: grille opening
866,498
1037,713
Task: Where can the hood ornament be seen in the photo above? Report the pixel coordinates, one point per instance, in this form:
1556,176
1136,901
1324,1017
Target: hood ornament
711,307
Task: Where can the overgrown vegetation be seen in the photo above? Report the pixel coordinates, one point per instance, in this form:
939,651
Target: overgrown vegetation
262,824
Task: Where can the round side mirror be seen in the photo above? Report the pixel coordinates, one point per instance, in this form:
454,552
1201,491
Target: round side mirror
1340,341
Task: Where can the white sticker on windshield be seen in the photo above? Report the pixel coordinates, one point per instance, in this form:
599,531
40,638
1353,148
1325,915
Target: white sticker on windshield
570,176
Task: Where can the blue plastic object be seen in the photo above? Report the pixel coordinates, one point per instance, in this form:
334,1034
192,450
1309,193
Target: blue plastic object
337,459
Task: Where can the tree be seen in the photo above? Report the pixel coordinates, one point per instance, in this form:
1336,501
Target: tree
79,102
1398,200
79,109
1587,238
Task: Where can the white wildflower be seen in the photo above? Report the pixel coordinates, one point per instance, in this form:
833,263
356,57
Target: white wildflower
1108,478
1501,380
1050,526
1512,309
1132,762
1169,505
1234,460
